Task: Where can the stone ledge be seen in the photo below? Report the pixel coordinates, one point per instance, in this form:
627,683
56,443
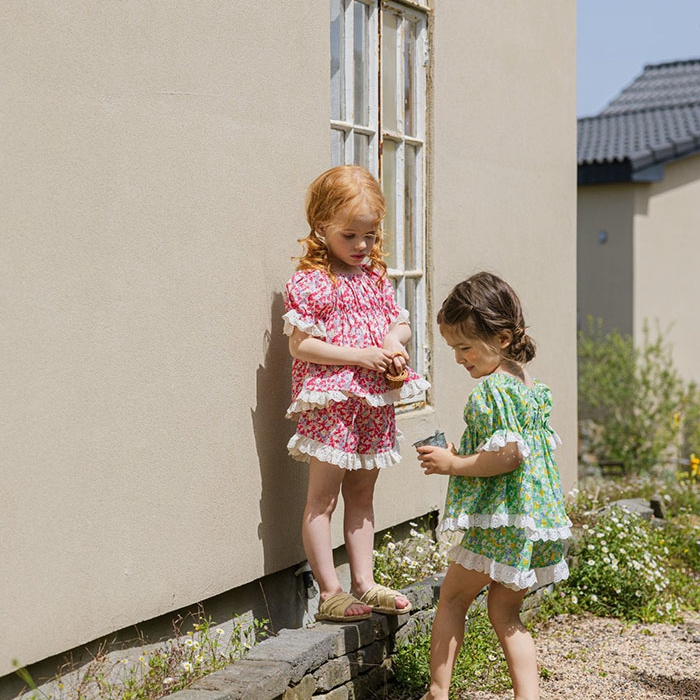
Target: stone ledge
327,661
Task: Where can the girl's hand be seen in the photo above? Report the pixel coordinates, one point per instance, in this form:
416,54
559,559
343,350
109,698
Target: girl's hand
436,460
377,359
397,352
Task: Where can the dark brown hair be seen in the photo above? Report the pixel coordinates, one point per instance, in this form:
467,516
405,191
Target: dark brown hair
485,306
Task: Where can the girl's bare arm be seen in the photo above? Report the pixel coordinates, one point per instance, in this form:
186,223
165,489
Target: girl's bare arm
440,460
307,348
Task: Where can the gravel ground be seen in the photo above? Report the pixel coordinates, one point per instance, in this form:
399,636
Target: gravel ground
590,657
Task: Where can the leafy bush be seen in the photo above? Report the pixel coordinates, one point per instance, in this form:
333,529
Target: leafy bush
398,564
690,429
620,569
633,393
624,566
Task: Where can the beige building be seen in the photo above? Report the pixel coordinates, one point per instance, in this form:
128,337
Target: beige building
155,156
639,209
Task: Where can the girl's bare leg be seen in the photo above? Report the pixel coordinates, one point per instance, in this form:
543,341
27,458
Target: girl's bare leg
457,593
504,612
358,497
321,500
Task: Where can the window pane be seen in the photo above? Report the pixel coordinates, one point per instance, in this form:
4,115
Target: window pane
337,147
360,11
409,207
409,75
389,186
337,82
410,304
389,88
362,150
398,291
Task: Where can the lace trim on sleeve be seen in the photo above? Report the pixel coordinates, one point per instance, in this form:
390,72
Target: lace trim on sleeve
553,440
292,319
465,521
403,317
509,576
501,438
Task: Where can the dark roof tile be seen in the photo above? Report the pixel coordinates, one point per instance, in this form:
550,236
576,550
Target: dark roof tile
660,85
652,121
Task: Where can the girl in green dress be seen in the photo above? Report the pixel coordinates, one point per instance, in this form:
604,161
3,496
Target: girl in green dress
504,490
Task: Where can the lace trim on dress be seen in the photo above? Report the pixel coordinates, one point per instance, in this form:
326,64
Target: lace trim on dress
509,576
293,319
408,390
493,520
310,400
302,448
501,438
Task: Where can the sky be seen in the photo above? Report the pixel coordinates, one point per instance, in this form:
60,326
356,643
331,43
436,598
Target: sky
617,38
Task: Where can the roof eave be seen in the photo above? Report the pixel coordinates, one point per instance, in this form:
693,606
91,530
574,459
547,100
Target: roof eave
639,169
605,173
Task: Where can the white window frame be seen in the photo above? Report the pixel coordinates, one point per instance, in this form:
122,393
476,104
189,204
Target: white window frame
402,275
346,125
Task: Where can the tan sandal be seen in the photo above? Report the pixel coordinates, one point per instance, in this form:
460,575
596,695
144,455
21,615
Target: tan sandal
383,600
333,609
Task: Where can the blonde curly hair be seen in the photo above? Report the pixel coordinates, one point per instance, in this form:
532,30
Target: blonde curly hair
333,199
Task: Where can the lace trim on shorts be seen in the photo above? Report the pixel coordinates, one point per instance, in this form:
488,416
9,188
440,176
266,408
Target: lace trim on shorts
302,448
509,576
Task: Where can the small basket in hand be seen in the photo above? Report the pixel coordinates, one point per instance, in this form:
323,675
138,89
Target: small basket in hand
396,380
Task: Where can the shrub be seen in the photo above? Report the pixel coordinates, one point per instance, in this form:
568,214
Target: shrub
690,429
620,569
397,564
633,393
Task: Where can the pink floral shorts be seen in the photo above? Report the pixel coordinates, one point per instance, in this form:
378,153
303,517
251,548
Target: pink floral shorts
352,427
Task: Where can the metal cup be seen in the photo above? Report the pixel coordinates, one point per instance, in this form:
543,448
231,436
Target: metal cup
437,439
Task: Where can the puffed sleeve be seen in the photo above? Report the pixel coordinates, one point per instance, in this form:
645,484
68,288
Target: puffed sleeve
492,421
396,315
307,298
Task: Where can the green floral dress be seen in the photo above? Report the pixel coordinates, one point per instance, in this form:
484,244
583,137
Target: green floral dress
515,523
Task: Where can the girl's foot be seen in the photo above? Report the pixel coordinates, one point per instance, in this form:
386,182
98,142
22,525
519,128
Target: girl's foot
385,600
342,607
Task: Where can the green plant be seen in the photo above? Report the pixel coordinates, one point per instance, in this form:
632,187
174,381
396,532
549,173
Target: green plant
620,569
480,663
633,393
690,428
400,563
160,669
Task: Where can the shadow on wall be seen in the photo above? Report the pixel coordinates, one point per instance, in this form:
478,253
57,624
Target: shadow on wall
283,480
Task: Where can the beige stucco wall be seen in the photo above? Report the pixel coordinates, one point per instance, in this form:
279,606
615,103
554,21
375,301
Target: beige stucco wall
645,272
606,267
666,225
155,157
505,183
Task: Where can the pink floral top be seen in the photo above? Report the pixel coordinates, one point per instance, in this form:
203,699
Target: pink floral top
356,310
